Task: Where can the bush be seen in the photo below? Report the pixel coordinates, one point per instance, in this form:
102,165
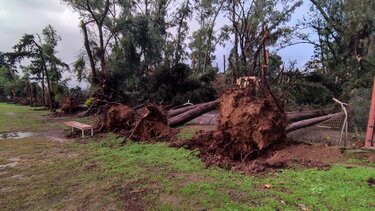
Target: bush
89,101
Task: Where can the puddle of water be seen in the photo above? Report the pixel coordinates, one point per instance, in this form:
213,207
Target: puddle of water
15,135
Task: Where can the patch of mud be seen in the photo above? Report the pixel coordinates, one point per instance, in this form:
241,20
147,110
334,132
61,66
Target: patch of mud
55,135
169,199
15,135
371,182
306,155
292,156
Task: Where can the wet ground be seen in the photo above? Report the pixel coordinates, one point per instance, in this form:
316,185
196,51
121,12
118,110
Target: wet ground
15,135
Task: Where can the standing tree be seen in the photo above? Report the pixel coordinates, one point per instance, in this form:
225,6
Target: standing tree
345,44
257,24
43,53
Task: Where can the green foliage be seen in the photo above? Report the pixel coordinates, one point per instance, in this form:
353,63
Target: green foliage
89,101
343,52
177,85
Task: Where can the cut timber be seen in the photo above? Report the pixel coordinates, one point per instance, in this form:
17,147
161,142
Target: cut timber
309,122
298,116
192,113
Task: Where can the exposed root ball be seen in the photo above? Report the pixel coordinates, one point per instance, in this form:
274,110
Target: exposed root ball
248,123
149,127
153,125
119,117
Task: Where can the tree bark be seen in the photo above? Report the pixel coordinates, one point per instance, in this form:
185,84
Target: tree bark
298,116
35,93
89,53
235,47
43,90
175,112
193,113
310,122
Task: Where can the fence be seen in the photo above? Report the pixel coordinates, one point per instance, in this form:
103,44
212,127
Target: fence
329,132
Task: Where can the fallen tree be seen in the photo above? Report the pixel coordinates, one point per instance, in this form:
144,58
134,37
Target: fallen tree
70,106
248,123
293,116
126,121
175,112
298,116
310,122
192,113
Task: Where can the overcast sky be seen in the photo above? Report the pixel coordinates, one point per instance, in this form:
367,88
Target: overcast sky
31,16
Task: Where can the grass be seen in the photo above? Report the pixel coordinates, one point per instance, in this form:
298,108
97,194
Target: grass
23,118
181,181
100,173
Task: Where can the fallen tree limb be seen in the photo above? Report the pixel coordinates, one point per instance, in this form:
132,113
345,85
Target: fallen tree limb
309,122
192,113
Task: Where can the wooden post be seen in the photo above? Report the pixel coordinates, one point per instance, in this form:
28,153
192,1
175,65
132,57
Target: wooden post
369,142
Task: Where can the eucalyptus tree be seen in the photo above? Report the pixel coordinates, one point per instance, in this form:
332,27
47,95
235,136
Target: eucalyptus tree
42,52
257,24
205,39
181,17
345,43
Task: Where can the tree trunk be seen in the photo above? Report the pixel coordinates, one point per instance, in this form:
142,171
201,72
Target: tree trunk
43,91
35,94
298,116
30,93
310,122
193,113
175,112
89,53
235,47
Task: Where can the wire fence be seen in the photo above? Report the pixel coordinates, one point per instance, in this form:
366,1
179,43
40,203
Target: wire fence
329,132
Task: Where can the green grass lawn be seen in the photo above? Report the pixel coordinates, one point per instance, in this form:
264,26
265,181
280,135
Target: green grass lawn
23,118
98,173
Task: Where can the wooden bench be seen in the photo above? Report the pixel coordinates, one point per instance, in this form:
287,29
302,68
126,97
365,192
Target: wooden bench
80,126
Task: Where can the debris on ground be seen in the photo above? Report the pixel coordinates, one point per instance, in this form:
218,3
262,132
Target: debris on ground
247,125
151,126
250,137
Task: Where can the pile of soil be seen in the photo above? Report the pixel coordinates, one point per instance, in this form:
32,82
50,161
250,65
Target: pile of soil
249,122
150,126
292,156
